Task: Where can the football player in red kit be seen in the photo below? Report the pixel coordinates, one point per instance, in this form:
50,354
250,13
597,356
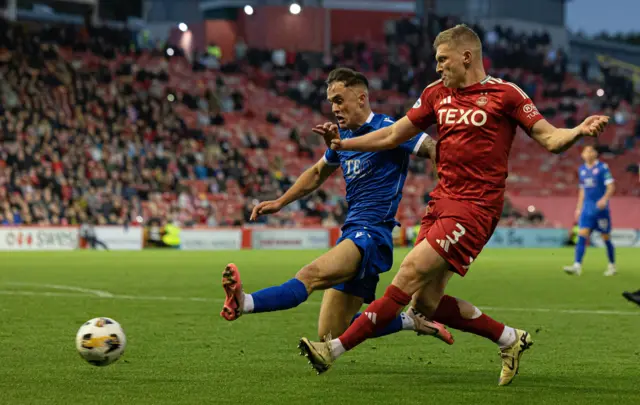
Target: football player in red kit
476,116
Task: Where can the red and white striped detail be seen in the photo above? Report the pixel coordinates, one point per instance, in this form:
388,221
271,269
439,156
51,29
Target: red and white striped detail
372,316
446,100
494,80
434,83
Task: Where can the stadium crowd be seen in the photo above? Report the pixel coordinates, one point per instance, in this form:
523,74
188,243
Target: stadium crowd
105,142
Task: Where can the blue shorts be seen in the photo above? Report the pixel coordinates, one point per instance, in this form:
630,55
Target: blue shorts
376,246
598,220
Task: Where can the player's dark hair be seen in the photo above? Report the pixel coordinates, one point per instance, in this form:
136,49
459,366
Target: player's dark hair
347,76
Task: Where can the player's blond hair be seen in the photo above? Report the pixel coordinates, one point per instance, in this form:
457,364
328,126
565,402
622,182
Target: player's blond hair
460,35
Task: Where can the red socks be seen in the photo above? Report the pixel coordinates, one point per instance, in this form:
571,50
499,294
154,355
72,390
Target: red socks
376,317
448,314
384,310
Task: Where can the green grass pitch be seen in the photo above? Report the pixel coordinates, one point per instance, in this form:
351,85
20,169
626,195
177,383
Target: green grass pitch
180,351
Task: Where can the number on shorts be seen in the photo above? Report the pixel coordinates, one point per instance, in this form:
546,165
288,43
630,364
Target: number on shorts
603,223
457,234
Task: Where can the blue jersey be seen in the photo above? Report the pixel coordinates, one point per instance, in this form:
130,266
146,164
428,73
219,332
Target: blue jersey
374,179
594,181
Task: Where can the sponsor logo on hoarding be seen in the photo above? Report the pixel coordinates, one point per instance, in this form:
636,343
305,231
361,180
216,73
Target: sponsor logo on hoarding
38,239
211,240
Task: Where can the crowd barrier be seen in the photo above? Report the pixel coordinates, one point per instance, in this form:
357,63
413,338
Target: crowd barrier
133,238
528,238
619,237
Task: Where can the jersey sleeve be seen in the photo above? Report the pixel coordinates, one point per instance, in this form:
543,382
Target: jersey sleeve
422,114
606,175
521,108
412,146
331,157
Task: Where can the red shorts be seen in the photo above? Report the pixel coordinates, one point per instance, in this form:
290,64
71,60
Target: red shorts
457,231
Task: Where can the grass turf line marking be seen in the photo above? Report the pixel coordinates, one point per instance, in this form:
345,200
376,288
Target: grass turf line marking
98,293
565,311
215,300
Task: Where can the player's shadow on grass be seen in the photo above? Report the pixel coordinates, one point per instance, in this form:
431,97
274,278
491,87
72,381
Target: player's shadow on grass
590,384
480,380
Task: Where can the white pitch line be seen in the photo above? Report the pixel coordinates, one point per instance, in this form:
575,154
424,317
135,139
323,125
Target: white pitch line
112,296
43,293
564,311
99,293
217,300
163,298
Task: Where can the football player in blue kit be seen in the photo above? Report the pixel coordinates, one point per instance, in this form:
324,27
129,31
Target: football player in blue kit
349,272
596,188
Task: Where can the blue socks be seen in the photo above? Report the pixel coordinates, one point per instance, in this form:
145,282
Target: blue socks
611,254
582,245
293,293
580,248
285,296
395,325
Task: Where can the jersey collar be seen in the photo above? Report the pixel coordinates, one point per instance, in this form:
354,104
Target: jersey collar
475,85
370,118
366,124
594,165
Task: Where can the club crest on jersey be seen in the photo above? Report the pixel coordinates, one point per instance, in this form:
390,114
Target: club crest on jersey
482,101
530,110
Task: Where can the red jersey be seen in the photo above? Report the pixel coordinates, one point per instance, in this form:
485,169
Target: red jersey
476,126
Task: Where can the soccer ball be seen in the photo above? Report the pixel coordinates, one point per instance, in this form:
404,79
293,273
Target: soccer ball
101,341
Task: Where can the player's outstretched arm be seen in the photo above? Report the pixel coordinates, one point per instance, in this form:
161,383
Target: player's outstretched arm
558,140
309,181
382,139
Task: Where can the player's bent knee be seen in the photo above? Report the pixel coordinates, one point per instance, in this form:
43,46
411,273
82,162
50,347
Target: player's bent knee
315,277
311,276
584,232
605,236
424,262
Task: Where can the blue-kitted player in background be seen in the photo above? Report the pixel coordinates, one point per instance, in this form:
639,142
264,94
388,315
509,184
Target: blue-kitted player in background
596,188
